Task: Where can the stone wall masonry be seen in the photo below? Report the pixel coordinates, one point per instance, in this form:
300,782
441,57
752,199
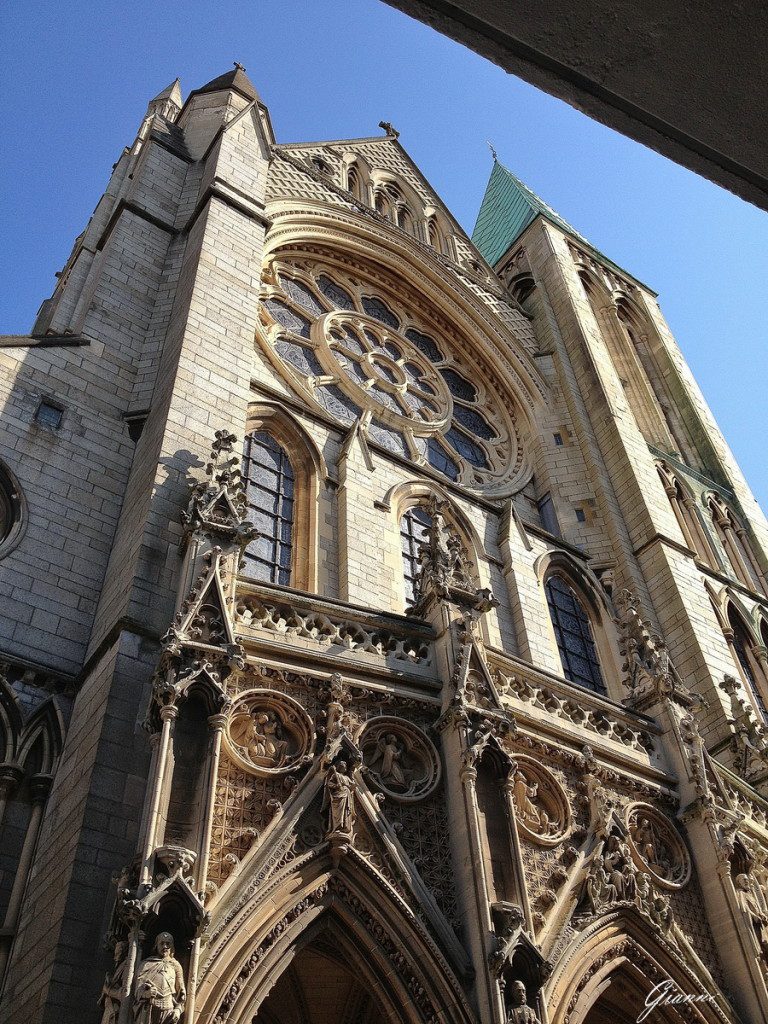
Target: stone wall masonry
748,504
89,832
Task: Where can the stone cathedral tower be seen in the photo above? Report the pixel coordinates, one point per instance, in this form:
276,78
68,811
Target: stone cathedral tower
384,618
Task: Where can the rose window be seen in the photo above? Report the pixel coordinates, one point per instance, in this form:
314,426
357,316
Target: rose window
362,356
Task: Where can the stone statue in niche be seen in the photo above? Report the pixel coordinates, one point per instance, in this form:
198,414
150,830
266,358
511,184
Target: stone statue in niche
261,735
111,991
387,762
525,794
520,1012
160,993
650,847
754,909
339,799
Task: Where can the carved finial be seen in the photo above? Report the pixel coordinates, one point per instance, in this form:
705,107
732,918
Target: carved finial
648,671
392,132
238,66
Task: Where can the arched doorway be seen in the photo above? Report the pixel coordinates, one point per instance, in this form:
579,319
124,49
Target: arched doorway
321,987
622,1000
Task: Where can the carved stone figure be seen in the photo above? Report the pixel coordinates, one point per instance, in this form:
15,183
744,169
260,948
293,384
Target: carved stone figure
388,760
520,1012
399,759
160,993
339,798
268,732
111,990
754,910
541,805
525,796
656,846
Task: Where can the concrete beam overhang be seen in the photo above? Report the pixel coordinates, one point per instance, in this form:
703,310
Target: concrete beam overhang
689,78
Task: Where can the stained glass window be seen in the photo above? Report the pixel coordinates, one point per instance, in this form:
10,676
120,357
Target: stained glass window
458,386
380,311
388,438
301,295
288,318
473,421
574,635
440,460
467,448
303,358
425,345
740,644
334,401
268,478
335,293
424,397
413,533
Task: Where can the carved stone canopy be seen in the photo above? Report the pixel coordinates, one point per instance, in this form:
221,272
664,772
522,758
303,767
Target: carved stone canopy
268,733
400,760
656,846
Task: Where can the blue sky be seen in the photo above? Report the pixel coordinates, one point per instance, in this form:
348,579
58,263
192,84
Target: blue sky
77,78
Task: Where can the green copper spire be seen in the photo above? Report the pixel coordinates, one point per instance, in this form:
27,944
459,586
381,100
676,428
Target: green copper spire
508,207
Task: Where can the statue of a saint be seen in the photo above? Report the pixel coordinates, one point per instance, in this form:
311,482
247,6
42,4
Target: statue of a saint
524,795
388,761
339,790
261,734
159,994
520,1012
111,990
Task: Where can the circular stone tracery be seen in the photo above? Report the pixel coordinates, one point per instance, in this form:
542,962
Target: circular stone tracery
656,846
399,758
268,733
384,367
352,349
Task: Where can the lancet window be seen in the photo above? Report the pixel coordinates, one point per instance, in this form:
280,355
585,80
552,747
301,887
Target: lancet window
573,632
269,482
737,545
752,672
413,533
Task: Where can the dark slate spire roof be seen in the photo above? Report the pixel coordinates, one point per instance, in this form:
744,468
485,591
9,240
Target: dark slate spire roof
508,207
235,79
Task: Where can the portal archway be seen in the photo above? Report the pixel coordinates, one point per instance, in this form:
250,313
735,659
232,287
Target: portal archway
325,984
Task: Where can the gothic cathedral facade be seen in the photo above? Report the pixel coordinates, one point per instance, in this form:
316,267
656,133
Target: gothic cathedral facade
384,618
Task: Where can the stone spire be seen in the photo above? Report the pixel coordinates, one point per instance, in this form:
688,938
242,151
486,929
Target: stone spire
167,103
237,80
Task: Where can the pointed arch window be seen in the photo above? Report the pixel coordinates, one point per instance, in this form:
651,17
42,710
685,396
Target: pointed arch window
752,672
737,545
685,513
354,181
413,533
269,486
573,632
